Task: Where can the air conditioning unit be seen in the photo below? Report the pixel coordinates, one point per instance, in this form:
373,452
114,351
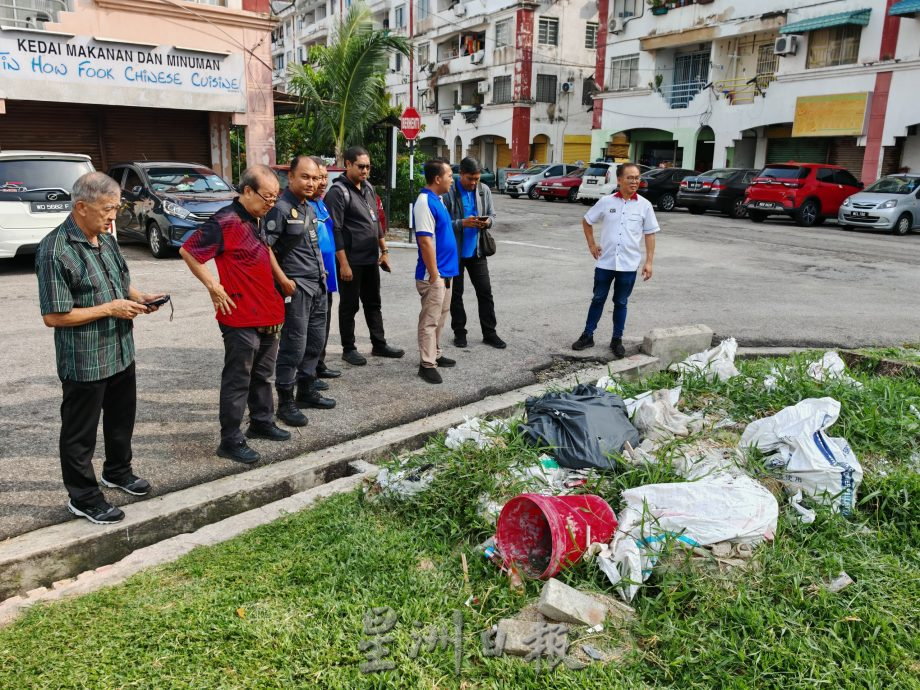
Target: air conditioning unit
786,45
615,26
567,87
477,57
459,10
482,87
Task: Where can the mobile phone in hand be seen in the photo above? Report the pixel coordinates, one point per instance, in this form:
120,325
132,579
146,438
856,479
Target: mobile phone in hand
157,302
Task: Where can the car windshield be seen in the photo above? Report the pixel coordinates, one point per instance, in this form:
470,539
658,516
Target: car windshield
894,185
189,180
787,173
655,172
718,174
597,170
17,176
535,169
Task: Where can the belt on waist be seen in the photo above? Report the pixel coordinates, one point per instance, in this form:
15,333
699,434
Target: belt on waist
268,330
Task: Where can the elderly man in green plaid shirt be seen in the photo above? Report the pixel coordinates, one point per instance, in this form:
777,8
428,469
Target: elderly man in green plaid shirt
85,294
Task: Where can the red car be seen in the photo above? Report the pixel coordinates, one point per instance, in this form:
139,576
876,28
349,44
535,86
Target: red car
808,192
562,187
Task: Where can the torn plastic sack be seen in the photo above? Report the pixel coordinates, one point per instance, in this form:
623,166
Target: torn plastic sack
725,507
403,482
657,418
831,366
582,427
819,466
476,430
716,363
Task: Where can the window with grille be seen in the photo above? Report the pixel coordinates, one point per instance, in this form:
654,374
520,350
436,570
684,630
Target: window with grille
421,10
398,65
503,33
624,9
399,17
767,62
422,52
548,32
591,35
624,73
546,88
501,90
837,45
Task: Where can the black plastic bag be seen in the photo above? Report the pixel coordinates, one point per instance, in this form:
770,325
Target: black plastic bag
582,427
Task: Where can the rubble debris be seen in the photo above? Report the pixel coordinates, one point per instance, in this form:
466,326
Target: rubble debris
715,363
565,604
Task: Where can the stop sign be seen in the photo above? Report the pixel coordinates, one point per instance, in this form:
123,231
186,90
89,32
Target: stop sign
410,122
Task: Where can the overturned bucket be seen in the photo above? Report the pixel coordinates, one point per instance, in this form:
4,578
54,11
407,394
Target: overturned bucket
544,534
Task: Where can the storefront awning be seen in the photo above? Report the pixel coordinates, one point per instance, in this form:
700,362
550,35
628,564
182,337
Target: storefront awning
854,17
905,7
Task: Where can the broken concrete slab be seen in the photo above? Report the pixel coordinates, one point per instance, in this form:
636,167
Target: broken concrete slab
565,604
675,343
516,631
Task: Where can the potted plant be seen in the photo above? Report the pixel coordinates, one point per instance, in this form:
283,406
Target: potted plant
656,84
658,6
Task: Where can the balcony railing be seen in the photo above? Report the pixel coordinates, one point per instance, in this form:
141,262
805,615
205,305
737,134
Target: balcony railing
680,95
743,91
31,14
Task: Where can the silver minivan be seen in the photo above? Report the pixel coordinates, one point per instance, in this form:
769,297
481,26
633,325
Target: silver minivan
892,203
525,182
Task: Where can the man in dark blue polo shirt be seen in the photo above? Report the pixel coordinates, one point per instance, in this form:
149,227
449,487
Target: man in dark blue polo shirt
437,265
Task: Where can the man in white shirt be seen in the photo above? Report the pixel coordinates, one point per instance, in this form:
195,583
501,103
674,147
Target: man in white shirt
627,220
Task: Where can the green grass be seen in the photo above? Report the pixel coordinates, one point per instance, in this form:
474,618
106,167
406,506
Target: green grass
282,605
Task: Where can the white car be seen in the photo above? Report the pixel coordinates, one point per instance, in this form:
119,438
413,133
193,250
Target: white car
599,180
35,191
525,182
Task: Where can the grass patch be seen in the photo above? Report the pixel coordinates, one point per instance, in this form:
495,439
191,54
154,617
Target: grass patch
282,605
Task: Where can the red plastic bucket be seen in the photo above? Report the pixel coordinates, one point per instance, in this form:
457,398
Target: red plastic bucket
544,534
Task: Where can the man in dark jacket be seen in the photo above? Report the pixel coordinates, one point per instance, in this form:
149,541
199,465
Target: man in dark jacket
361,252
469,203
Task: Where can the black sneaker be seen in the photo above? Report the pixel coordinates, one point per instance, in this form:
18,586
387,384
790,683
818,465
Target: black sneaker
445,362
238,452
430,375
133,485
617,346
584,342
494,341
102,514
327,373
354,358
270,431
388,351
460,340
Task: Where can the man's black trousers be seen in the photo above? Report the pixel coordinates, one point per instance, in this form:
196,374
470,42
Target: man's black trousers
364,287
478,268
249,362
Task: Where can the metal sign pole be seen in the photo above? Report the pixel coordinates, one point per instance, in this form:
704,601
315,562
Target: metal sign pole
411,188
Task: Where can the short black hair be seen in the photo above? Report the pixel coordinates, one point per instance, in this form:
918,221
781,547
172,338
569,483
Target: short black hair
470,166
434,168
320,163
352,153
621,168
298,159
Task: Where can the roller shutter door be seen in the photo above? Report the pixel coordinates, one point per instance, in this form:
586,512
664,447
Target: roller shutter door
891,161
845,153
576,147
136,134
799,149
64,127
540,151
502,153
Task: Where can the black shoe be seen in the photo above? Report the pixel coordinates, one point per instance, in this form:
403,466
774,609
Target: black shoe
287,410
102,514
238,452
354,358
308,396
459,340
133,485
584,341
446,362
320,385
270,431
619,352
326,373
430,374
495,341
388,351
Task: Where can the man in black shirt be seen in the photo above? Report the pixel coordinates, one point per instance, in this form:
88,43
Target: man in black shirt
361,252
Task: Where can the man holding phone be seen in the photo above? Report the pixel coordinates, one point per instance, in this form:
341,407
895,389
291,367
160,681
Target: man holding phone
469,203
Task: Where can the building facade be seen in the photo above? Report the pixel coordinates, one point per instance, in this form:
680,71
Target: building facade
127,80
709,84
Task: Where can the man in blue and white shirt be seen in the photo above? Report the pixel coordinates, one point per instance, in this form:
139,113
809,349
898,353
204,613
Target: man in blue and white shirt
627,221
438,263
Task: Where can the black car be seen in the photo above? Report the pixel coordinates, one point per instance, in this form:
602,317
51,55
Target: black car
722,189
162,203
660,185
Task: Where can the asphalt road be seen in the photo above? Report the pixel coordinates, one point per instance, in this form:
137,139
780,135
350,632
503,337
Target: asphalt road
768,284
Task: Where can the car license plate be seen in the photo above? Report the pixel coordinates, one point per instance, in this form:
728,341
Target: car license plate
591,181
50,206
859,214
765,204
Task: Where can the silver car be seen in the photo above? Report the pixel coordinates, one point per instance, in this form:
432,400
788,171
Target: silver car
892,203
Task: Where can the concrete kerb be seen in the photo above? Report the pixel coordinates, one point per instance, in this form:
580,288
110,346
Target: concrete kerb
55,553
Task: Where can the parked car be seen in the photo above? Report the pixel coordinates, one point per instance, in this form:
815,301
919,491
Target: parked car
660,186
808,192
722,189
35,189
562,187
162,203
282,172
600,179
892,203
525,182
487,177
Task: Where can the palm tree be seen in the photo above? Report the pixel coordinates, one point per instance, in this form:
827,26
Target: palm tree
342,89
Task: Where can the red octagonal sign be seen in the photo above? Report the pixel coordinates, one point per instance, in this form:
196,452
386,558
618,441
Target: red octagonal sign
410,123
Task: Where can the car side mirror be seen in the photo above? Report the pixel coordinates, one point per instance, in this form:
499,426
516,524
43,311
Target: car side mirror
861,184
137,189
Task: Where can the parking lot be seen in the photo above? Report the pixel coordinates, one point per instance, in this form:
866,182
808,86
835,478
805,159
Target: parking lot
766,284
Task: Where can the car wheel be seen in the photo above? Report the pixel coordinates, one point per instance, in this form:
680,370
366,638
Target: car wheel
902,227
532,192
514,196
808,214
666,202
757,216
158,246
696,210
738,209
573,195
586,202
